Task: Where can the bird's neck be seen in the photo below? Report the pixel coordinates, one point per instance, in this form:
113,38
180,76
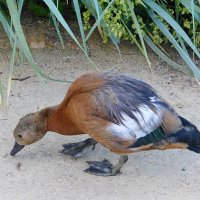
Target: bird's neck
59,121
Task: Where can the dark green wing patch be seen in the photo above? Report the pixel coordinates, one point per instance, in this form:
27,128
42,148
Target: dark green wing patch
152,137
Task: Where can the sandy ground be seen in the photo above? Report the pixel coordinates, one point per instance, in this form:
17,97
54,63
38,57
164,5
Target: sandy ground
41,172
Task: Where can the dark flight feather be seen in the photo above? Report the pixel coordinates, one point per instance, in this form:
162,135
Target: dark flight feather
125,95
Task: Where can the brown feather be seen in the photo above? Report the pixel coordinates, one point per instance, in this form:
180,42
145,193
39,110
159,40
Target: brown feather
171,123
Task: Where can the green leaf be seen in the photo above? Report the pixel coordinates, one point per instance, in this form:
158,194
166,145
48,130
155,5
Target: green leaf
133,38
193,24
98,20
19,32
20,5
4,21
139,31
164,57
23,44
177,10
97,8
1,93
80,22
10,69
57,29
60,18
170,37
196,9
161,12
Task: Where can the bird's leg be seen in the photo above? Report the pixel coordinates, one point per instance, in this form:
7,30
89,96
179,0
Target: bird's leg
76,150
105,168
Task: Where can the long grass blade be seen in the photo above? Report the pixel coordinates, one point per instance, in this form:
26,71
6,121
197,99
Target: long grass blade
187,4
159,45
161,12
133,38
199,2
137,25
164,57
57,29
56,24
194,10
10,69
177,10
60,18
80,23
23,44
18,29
117,47
170,37
114,39
97,8
4,21
193,22
98,20
20,5
8,28
1,93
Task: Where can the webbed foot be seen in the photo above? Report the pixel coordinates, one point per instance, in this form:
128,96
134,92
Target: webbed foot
76,150
105,168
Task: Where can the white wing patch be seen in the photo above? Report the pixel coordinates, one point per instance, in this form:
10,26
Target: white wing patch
130,129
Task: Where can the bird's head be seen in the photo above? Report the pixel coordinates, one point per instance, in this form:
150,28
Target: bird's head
29,130
189,135
194,139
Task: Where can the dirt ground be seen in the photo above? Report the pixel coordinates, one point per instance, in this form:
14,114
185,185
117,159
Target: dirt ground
40,172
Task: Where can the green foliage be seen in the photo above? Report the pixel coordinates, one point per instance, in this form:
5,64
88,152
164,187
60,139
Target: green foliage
151,22
40,9
120,12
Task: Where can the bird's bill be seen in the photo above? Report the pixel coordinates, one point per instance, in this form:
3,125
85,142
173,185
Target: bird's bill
16,148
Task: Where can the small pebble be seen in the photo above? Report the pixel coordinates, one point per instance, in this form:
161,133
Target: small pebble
179,105
5,155
19,166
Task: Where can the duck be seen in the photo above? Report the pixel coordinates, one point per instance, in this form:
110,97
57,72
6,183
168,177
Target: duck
123,114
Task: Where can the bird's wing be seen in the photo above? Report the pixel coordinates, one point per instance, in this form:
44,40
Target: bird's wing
134,108
148,120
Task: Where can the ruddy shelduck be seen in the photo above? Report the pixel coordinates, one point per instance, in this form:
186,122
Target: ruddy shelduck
121,113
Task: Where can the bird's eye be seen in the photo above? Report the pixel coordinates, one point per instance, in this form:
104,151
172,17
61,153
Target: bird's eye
19,136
